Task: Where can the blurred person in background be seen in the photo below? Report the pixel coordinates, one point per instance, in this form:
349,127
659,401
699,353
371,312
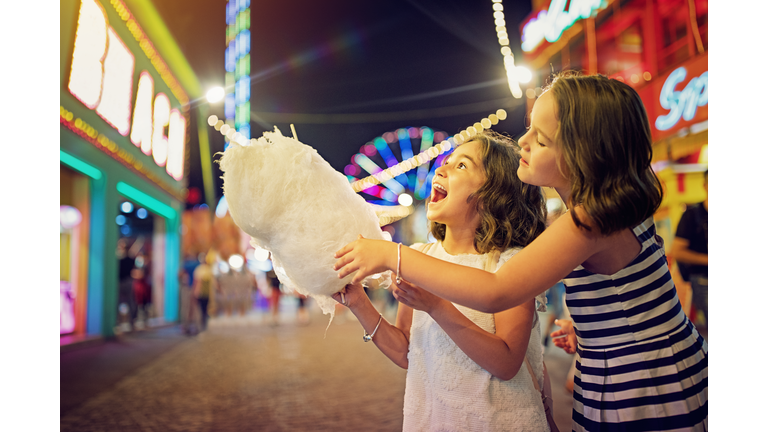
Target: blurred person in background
142,292
556,294
189,306
274,299
203,285
126,260
302,313
690,248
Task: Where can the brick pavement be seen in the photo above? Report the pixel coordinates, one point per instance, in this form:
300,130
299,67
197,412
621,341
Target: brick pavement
251,376
243,374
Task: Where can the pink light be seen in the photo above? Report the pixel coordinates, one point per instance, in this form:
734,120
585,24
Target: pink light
370,149
389,137
414,133
67,308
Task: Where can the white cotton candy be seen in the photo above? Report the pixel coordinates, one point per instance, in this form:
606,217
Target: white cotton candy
294,204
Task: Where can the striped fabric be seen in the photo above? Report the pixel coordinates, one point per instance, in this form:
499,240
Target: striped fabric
641,364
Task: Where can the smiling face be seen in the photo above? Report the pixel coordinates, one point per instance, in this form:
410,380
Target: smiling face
539,153
461,175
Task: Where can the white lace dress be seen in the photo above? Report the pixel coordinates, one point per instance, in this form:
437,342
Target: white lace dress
447,391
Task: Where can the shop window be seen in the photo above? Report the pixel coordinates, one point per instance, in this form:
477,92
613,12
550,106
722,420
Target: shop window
673,44
577,54
140,266
73,258
630,47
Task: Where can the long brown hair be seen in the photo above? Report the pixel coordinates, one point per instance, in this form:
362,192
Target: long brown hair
605,137
512,213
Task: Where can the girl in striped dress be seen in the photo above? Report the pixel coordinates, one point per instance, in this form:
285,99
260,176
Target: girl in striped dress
641,364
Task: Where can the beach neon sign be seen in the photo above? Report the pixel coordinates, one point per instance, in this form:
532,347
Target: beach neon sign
550,24
682,103
102,79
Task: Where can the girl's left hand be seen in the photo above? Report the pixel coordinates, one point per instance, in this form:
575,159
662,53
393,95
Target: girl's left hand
568,343
414,296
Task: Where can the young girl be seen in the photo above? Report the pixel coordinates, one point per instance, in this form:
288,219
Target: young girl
641,363
467,369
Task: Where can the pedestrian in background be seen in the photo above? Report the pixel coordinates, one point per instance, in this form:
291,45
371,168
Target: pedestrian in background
690,249
203,285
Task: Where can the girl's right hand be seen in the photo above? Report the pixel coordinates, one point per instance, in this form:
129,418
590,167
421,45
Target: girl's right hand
353,293
364,256
568,343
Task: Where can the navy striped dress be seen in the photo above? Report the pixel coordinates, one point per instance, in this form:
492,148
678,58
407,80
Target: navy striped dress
641,364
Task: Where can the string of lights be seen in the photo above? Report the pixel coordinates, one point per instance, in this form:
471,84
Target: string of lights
429,154
515,74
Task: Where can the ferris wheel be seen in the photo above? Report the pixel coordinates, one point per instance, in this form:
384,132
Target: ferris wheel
405,146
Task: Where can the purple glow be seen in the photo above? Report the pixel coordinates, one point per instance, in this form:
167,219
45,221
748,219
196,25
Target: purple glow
67,321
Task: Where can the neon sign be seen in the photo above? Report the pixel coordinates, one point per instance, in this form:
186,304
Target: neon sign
102,79
550,24
237,64
682,103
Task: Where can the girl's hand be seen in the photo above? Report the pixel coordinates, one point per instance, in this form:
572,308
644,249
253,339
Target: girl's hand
415,297
568,343
353,294
366,257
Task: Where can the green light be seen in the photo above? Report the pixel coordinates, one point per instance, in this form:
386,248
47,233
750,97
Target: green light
145,200
79,165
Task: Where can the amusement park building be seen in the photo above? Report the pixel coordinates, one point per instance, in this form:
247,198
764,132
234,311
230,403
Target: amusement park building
125,118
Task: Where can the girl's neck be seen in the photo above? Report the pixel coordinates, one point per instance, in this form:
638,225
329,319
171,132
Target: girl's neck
459,241
565,194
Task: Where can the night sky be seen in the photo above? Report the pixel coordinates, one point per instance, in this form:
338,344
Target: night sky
350,71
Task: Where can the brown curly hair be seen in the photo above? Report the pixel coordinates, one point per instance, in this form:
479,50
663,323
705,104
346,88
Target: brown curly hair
512,213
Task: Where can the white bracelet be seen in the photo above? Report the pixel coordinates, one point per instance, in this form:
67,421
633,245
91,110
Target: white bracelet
398,279
368,337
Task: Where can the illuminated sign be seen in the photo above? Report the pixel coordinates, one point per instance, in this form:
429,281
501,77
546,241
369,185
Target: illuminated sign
681,103
102,79
550,24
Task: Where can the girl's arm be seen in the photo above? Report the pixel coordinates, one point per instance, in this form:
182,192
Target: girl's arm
502,353
551,257
392,340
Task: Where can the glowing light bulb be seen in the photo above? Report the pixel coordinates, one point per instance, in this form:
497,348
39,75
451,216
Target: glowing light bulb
501,114
212,120
224,129
486,123
493,118
405,200
236,261
215,94
523,74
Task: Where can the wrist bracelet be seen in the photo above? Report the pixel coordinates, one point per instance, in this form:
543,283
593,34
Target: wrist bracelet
368,337
398,278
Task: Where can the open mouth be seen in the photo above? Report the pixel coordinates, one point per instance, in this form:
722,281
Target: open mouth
438,193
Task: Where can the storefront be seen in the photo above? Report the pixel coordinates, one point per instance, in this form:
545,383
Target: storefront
124,149
657,47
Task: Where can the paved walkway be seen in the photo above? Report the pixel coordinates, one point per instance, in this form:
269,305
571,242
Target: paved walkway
243,374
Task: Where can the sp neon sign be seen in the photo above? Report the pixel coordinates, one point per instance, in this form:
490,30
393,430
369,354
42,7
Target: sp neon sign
102,79
550,24
681,104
